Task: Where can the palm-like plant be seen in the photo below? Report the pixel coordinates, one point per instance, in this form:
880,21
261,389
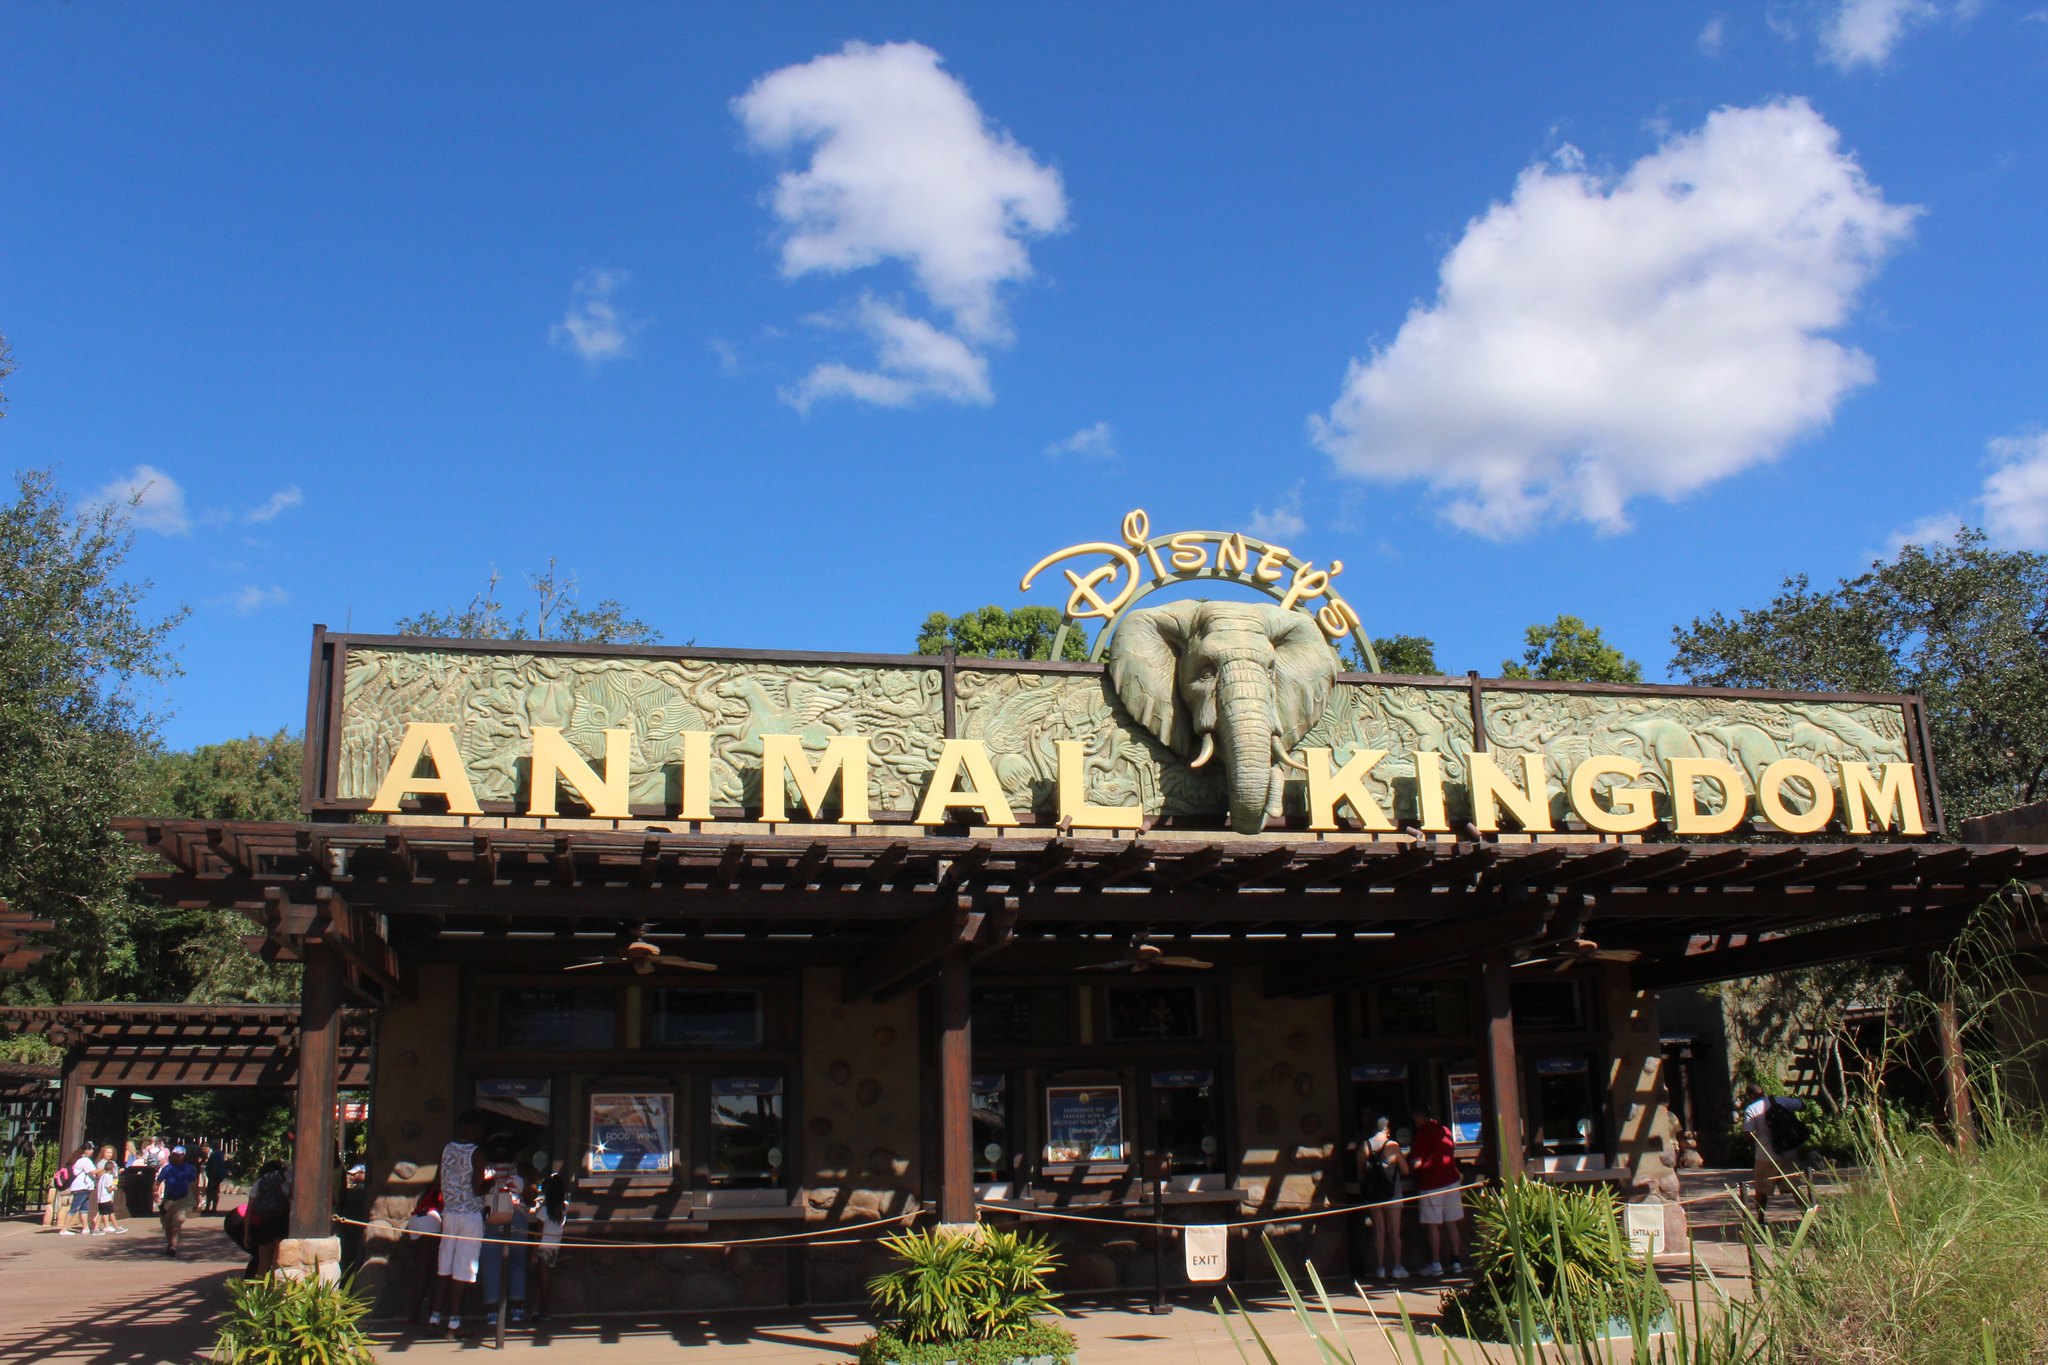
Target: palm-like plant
983,1285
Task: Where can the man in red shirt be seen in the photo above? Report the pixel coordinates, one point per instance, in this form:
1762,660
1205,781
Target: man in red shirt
1433,1162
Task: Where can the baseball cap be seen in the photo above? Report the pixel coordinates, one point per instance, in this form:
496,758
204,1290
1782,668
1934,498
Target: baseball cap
177,1151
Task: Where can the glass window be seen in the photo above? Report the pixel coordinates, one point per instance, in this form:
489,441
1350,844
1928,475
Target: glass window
1424,1009
632,1132
1147,1014
1566,1120
1084,1123
1021,1016
746,1132
575,1017
708,1018
1551,1005
1184,1119
522,1110
991,1115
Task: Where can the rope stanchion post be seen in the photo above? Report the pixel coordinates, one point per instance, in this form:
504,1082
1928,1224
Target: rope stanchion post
1161,1165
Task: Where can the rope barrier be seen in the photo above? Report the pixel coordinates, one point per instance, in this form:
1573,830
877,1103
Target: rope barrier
836,1230
1306,1215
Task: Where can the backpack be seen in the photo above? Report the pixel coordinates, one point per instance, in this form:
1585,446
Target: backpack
1788,1131
1376,1186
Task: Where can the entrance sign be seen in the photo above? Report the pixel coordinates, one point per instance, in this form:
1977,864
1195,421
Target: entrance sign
632,1133
1084,1123
1207,1249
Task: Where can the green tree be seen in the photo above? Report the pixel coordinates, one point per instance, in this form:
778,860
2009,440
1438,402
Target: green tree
999,633
76,648
1964,625
1413,654
6,368
1569,650
556,614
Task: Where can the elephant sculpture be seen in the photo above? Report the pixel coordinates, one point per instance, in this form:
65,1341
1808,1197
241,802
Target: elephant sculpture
1244,678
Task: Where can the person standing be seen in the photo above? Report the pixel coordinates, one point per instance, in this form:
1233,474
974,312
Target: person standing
1382,1182
550,1205
105,1189
178,1181
269,1215
503,1265
1779,1136
216,1165
462,1179
1433,1160
78,1192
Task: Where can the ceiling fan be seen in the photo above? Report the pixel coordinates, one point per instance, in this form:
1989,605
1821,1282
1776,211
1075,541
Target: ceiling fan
636,952
1577,952
1144,956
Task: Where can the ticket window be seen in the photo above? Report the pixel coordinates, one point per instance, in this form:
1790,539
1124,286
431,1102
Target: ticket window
1380,1090
1565,1117
990,1114
519,1111
747,1141
1186,1119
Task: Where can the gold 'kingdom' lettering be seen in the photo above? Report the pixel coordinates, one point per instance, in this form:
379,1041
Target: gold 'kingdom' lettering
1075,807
694,802
1634,807
1429,792
1326,789
555,762
1686,815
845,761
1491,790
1868,799
435,741
984,792
1770,796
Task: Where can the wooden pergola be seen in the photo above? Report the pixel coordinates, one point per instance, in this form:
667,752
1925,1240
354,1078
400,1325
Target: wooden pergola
358,903
17,929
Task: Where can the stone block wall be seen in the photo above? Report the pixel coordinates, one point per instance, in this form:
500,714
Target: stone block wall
1289,1119
413,1102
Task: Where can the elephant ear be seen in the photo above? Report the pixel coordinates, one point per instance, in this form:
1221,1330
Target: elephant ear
1304,671
1144,667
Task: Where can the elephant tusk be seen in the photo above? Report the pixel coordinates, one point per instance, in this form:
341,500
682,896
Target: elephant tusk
1289,759
1208,750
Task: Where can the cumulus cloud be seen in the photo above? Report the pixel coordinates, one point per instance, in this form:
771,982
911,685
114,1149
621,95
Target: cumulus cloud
902,166
1280,522
913,360
1712,35
1594,339
1864,32
1096,442
2016,494
277,504
594,327
253,599
150,498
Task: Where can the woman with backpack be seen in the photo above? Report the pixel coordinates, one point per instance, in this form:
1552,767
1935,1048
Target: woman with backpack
1780,1135
1382,1172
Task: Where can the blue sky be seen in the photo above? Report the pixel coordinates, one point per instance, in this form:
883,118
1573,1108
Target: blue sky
1626,311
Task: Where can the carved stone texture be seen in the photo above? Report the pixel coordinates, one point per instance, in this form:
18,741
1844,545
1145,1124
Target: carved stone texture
495,700
1402,721
1567,728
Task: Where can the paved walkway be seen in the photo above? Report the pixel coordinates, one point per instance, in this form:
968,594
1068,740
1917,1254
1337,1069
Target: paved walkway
111,1300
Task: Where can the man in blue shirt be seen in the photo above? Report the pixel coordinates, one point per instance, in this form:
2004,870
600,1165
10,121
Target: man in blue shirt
178,1180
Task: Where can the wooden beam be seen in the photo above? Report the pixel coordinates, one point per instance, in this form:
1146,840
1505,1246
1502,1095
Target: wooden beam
1418,951
1842,943
956,1090
1500,1071
883,866
312,1212
914,955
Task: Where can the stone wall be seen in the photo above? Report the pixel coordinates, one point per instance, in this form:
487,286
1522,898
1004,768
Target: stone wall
1289,1119
412,1101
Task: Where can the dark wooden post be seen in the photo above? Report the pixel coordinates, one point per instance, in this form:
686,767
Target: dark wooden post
956,1092
1499,1068
319,1069
1955,1075
71,1114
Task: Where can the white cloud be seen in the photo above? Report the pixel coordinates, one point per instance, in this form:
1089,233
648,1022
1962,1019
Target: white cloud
280,501
1864,32
913,360
1280,522
1096,442
1712,35
594,327
150,498
2016,493
1596,340
252,599
903,166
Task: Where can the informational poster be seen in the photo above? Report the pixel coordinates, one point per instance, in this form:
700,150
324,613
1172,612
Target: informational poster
1208,1250
522,1101
1468,1114
1084,1123
632,1132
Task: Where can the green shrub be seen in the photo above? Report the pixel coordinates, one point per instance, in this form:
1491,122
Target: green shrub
273,1321
1550,1259
971,1297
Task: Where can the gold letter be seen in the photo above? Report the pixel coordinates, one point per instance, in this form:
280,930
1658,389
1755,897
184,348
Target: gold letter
696,780
1491,790
1899,790
1309,581
1635,806
1326,789
1188,551
437,742
555,761
1687,817
1770,796
1074,793
1337,617
984,792
845,759
1429,791
1267,570
1231,552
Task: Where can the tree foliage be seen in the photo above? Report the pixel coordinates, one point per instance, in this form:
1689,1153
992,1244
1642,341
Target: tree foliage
1569,650
1414,654
76,644
999,633
1964,625
555,614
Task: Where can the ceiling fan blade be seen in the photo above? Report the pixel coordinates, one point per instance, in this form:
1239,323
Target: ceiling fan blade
1120,965
684,962
1194,963
585,966
1619,954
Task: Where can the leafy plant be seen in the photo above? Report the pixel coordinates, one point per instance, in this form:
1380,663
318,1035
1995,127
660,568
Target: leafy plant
1562,1248
1039,1341
274,1321
959,1290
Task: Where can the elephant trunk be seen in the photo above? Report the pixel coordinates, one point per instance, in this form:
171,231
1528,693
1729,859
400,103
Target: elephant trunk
1244,696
